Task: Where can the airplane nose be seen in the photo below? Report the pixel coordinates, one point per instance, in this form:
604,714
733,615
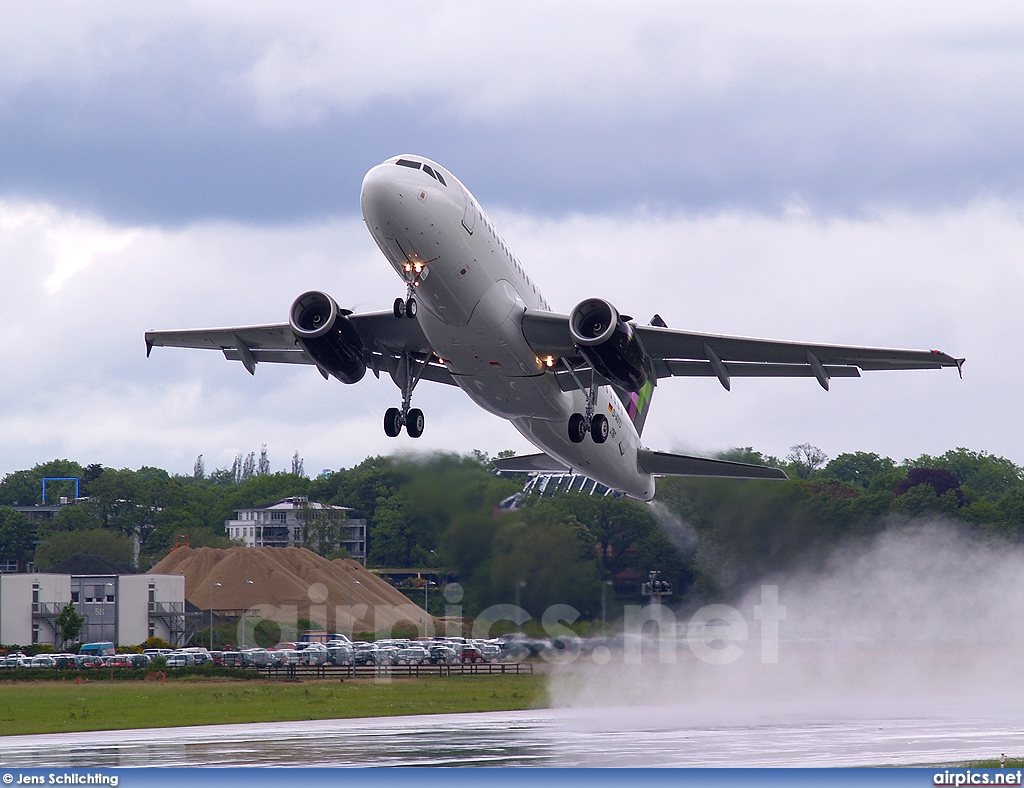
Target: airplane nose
382,194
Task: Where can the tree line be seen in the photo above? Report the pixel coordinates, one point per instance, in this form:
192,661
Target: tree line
709,538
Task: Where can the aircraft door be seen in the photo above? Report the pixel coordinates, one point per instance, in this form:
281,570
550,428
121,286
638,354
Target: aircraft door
469,215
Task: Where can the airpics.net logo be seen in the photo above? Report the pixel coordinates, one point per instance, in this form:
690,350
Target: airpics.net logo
716,634
957,777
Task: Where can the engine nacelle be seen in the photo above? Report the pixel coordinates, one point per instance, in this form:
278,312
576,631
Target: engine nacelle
327,335
609,343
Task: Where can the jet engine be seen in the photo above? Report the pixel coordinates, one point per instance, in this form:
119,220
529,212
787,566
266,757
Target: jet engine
328,336
609,343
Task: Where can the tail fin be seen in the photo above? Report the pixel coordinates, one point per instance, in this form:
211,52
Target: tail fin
637,404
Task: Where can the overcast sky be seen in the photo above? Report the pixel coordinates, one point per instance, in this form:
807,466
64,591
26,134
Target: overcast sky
840,172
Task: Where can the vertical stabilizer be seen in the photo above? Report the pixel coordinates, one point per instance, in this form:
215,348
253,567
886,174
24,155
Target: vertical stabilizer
637,404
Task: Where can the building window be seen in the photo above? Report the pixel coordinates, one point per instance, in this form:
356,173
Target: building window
35,633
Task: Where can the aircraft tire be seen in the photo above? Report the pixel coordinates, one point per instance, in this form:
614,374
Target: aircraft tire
599,428
410,307
577,428
392,422
414,426
399,307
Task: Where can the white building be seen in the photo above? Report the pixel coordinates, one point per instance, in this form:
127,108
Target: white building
124,609
29,604
129,609
296,522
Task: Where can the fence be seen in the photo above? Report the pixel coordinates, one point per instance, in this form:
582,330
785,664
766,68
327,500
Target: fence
395,671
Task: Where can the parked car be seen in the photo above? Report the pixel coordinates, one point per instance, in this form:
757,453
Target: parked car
178,660
441,655
43,661
340,653
471,654
256,658
368,654
117,661
231,659
411,655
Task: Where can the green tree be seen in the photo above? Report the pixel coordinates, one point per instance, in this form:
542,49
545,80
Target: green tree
860,468
69,624
15,535
61,545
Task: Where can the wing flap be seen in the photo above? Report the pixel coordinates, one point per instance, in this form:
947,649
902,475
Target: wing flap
659,463
277,336
672,368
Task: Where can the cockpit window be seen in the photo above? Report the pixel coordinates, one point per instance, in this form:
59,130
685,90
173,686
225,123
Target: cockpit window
406,163
440,177
428,171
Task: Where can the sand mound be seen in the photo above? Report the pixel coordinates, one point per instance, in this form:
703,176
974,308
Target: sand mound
287,578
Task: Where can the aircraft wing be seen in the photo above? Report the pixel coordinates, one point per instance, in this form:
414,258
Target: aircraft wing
659,463
687,353
385,338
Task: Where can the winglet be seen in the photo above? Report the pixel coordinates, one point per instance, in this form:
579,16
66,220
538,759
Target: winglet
149,346
960,366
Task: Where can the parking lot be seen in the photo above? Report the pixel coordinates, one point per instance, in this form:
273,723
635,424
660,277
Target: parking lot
338,657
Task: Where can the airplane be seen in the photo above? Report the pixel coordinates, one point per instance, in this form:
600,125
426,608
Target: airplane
577,386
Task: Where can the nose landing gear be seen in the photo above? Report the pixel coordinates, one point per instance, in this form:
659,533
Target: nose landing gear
415,272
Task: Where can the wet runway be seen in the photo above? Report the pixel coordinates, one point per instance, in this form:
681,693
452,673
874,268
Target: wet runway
590,737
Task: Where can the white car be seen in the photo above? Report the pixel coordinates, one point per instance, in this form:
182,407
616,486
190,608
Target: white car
412,655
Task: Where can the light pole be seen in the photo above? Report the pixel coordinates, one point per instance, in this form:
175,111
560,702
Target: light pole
426,601
351,583
244,584
214,583
519,587
604,587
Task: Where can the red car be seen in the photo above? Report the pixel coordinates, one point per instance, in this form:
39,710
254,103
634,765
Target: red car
471,654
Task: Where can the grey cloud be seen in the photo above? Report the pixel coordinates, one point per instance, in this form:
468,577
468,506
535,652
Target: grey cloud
219,119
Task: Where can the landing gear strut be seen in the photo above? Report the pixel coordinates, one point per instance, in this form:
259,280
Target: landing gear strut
582,423
406,374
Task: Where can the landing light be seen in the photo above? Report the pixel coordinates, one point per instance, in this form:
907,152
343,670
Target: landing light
418,267
549,361
408,267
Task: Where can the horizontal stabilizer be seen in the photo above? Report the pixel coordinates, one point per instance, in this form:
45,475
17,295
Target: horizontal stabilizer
659,463
529,463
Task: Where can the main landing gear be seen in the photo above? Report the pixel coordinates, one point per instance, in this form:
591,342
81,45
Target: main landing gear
407,374
588,421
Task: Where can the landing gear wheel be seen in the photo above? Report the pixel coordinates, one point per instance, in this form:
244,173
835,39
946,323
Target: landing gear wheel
399,307
414,423
410,307
599,428
392,422
577,428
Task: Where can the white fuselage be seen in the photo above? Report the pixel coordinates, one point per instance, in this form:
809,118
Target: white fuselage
471,294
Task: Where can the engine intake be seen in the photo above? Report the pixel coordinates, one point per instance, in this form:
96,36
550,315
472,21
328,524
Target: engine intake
609,343
328,336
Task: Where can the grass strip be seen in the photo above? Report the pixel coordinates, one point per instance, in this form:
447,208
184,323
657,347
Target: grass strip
58,707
